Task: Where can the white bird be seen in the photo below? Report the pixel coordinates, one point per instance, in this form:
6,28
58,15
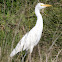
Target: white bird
31,38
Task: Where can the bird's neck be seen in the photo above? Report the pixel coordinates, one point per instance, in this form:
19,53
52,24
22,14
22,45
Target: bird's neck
39,22
37,12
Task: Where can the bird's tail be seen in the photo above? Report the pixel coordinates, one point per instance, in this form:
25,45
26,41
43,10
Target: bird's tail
13,53
16,50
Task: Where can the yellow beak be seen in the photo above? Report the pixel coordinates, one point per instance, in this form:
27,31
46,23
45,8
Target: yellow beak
46,5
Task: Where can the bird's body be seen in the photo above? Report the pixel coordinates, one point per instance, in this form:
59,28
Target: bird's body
31,38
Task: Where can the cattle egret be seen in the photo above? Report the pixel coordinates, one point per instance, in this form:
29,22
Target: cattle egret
31,38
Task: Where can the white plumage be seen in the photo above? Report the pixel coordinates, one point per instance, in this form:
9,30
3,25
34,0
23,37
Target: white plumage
31,38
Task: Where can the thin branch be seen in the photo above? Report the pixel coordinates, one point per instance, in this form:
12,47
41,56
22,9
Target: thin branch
58,53
4,5
46,58
48,54
39,53
24,56
0,52
56,58
12,4
38,1
54,42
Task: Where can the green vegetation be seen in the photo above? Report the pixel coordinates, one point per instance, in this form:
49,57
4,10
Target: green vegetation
17,17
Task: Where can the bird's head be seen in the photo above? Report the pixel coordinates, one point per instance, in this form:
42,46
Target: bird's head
41,5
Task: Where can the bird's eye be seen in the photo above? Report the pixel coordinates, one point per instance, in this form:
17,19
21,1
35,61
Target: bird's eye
41,5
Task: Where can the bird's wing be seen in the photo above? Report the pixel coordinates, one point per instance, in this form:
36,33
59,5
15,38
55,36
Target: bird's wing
19,46
32,39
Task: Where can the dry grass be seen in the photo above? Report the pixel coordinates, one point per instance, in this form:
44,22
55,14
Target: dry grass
21,19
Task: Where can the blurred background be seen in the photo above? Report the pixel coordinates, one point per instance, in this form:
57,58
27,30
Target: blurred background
17,17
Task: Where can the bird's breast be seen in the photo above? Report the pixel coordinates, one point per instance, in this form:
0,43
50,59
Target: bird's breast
35,36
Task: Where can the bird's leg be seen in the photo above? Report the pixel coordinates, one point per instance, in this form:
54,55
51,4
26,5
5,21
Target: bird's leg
30,57
24,56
